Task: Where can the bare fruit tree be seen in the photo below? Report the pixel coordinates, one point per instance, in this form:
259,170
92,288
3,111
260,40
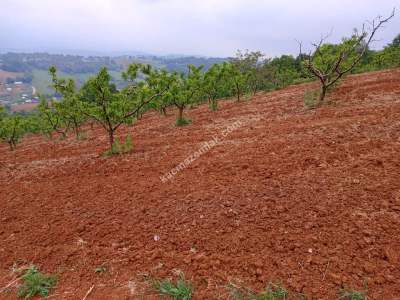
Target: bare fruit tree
329,63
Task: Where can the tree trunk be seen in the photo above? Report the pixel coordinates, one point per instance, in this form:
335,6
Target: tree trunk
76,129
11,145
180,113
214,104
238,92
163,111
111,139
322,94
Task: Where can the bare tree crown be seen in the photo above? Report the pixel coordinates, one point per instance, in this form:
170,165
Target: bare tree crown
329,63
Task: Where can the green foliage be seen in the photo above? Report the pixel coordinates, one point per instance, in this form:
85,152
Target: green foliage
213,105
50,119
274,292
215,84
329,63
102,101
111,107
389,57
12,129
328,55
181,290
35,283
348,294
70,108
283,71
116,147
248,72
184,90
238,79
33,123
2,112
128,145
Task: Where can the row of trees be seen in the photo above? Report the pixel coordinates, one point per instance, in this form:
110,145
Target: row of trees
99,100
146,88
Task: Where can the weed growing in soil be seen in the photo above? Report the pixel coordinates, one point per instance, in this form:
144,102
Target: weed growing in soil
100,270
311,98
35,283
118,148
82,136
128,145
213,106
182,122
348,294
272,292
181,290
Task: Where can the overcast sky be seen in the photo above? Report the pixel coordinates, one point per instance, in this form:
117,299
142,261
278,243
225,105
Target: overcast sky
200,27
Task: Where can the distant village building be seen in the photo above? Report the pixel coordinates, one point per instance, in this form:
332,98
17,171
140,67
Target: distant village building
17,82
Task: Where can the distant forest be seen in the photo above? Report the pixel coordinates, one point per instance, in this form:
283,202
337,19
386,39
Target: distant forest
73,64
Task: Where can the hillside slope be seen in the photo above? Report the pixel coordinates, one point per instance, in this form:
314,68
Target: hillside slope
307,198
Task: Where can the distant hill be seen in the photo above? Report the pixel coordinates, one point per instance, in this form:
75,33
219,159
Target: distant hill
32,68
73,64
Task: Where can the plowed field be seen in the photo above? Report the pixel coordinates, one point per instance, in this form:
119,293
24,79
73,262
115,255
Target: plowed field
260,191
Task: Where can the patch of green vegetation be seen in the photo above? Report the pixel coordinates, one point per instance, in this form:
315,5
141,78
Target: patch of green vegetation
213,105
120,148
271,292
349,294
311,98
182,122
35,283
181,290
128,145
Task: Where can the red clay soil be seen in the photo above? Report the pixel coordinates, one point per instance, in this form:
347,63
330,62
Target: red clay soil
307,198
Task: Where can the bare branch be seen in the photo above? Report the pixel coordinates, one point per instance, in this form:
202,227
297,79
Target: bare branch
331,71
